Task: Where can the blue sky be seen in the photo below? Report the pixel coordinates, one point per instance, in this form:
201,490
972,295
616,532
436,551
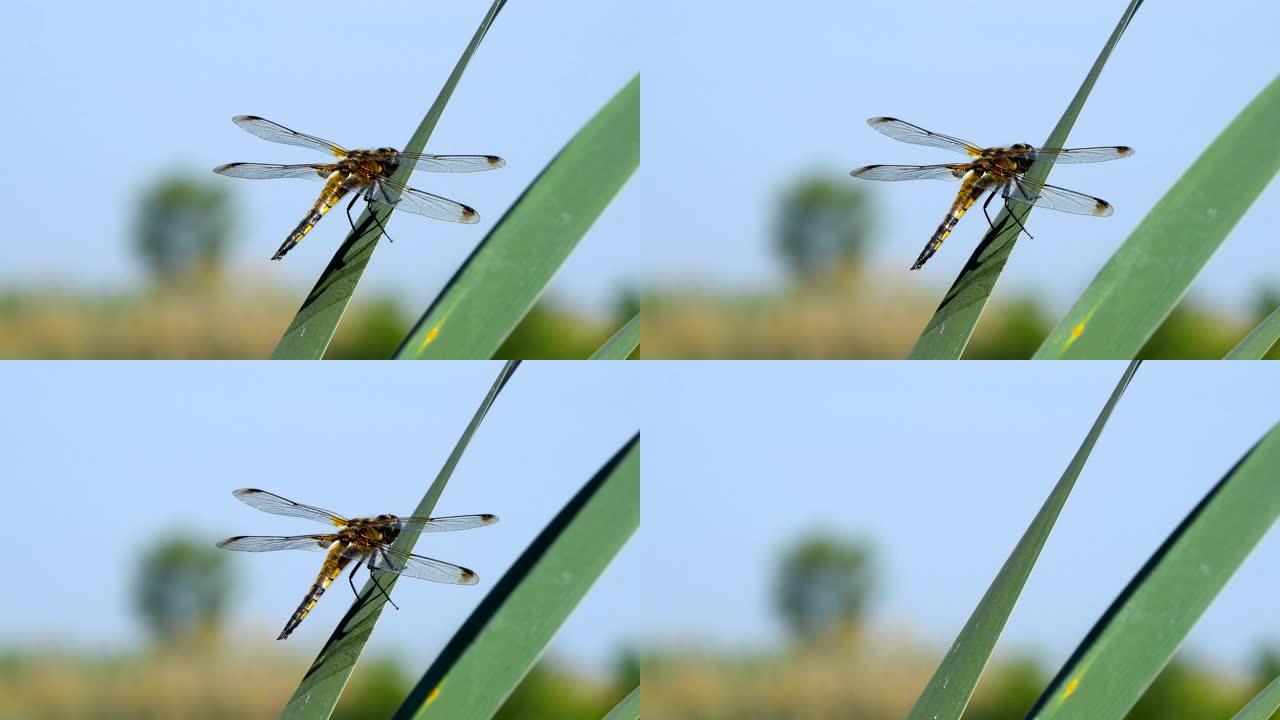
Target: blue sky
124,453
940,468
739,103
103,99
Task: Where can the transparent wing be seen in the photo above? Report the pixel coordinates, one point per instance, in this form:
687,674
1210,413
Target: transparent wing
450,163
1080,155
1029,192
263,543
258,171
912,172
445,524
274,132
424,568
276,505
908,133
418,202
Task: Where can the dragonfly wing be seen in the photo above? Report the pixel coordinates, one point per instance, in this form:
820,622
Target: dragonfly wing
276,505
258,171
424,568
277,133
389,192
908,133
445,524
1080,155
263,543
912,172
450,163
1029,192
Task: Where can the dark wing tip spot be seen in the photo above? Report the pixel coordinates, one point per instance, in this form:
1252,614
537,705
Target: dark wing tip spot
469,215
1125,150
221,169
495,161
489,518
228,541
1102,208
858,172
878,120
244,118
468,577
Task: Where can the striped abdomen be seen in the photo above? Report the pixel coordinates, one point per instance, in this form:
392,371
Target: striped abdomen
332,568
334,189
969,193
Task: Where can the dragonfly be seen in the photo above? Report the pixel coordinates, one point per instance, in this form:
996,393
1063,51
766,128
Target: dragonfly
367,541
995,169
363,173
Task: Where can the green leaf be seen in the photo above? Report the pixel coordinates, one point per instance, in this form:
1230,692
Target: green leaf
1143,281
948,331
499,282
628,709
953,682
1259,342
320,688
1262,706
622,344
1141,630
503,638
312,328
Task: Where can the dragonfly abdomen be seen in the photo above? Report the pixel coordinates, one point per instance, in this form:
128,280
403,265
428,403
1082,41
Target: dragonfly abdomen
332,568
334,189
969,194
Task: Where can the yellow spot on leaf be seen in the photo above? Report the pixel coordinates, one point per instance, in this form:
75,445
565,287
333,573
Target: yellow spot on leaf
429,337
1075,334
435,692
1071,687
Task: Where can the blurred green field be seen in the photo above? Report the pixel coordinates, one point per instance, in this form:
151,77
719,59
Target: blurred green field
879,676
243,321
240,679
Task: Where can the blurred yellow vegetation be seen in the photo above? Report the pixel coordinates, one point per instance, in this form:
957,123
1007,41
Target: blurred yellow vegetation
216,320
858,676
853,312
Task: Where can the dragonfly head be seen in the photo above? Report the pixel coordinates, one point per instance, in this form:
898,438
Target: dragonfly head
389,526
1024,161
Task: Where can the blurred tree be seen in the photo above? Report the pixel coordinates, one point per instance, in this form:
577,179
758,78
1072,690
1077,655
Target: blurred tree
822,224
372,331
550,333
548,692
1187,692
823,584
182,229
181,588
376,690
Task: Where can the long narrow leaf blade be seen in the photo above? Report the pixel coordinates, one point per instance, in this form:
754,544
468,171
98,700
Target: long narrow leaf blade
622,344
499,282
321,687
502,639
313,327
1138,634
1143,281
628,709
948,331
952,684
1259,342
1263,705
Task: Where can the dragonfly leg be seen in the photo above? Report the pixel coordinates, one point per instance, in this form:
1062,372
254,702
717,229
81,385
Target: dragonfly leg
351,578
384,592
354,197
377,222
1011,215
1019,223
